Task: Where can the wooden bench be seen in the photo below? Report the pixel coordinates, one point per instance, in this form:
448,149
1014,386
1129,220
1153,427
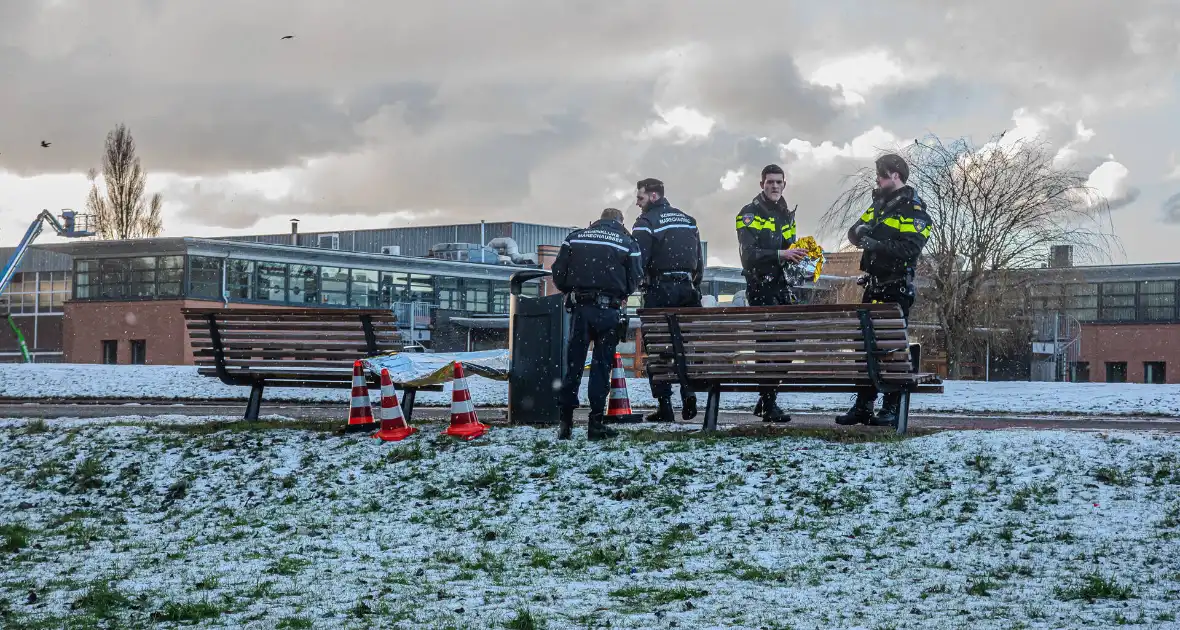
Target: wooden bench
835,348
306,347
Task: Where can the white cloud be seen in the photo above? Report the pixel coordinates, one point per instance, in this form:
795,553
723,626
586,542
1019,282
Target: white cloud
1068,153
811,158
1110,180
731,179
857,75
1175,166
681,123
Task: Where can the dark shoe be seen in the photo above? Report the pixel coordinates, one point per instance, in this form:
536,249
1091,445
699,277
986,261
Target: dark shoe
565,429
890,409
861,411
597,430
663,414
689,409
771,412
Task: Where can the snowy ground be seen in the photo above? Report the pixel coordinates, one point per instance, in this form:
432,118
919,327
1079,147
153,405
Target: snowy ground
182,382
123,522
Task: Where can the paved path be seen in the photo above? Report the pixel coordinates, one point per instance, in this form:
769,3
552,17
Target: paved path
493,416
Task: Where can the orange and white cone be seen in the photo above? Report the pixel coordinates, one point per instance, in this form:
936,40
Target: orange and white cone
618,406
360,410
393,421
464,422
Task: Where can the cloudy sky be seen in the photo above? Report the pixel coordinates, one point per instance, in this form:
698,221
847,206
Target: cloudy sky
386,113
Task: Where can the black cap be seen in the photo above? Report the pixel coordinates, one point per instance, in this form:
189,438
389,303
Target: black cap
893,163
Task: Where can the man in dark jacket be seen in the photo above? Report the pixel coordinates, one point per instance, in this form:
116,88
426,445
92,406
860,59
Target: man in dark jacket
766,232
892,233
597,268
673,267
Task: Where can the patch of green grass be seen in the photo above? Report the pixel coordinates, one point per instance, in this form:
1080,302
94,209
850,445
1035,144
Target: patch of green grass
88,474
102,601
287,565
653,596
187,611
524,620
14,537
294,623
1113,476
249,426
981,586
36,426
607,556
1093,587
409,453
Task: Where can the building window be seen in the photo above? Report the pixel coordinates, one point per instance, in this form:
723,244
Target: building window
1079,372
112,277
1157,300
1118,302
85,276
478,293
1153,372
334,286
1116,371
272,282
143,276
239,279
139,352
363,291
394,287
204,277
110,352
1082,301
500,296
169,276
448,293
421,288
304,285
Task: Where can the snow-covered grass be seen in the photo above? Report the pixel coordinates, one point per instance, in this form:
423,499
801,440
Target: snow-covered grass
122,522
183,383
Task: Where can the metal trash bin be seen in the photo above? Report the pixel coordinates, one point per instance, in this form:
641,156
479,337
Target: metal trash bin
537,332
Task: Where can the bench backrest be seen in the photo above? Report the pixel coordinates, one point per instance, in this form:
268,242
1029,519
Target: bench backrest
819,344
319,339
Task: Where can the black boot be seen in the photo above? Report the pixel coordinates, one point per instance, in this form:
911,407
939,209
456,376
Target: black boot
597,429
861,411
890,409
663,414
565,430
771,412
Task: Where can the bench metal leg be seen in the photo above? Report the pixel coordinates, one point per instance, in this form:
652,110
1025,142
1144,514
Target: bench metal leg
711,406
408,403
903,413
255,402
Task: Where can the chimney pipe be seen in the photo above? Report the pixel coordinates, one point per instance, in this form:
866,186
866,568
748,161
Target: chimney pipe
295,231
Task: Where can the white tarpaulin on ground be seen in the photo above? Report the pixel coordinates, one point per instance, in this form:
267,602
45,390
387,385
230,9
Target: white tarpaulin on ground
419,369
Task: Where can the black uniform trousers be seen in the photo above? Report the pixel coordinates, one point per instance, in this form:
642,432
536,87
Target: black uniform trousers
668,293
600,324
769,294
899,291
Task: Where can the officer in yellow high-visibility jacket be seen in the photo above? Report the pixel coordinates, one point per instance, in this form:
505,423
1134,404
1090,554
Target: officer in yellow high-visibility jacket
766,241
892,232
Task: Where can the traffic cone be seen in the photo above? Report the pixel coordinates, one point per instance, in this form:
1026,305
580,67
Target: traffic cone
360,410
618,407
464,423
393,421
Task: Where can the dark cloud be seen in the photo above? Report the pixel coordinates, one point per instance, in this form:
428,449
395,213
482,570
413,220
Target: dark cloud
1171,209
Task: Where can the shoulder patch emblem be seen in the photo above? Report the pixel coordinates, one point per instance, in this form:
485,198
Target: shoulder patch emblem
919,224
747,218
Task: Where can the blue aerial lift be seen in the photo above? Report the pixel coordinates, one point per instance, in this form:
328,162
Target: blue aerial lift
72,225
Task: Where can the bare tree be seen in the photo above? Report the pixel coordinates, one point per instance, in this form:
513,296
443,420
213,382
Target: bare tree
995,208
122,212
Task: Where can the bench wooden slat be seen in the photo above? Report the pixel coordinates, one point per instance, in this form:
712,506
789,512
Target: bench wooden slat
774,346
841,324
760,355
339,335
666,338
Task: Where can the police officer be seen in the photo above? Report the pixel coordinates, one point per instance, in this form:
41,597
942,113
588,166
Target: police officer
892,233
766,233
596,268
673,267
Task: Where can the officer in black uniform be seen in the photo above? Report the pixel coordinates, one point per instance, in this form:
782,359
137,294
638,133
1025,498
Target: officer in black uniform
673,267
892,233
766,233
597,269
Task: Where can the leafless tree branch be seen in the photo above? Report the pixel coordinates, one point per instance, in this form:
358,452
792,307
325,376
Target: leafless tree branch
123,213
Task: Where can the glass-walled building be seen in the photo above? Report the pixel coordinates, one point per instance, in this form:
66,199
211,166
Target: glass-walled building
126,296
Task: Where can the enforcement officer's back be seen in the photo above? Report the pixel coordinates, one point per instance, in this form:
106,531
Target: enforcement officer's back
597,268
